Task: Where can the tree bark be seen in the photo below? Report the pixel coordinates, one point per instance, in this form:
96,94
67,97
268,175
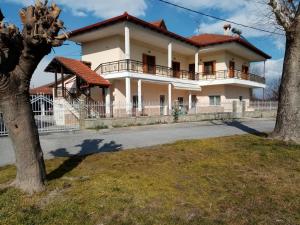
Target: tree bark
287,126
20,122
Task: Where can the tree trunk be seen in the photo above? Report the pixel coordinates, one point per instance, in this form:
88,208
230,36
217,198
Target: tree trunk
23,132
287,126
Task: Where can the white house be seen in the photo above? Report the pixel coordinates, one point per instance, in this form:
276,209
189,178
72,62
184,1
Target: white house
140,63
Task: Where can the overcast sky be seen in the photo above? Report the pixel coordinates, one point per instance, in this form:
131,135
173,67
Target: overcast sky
78,13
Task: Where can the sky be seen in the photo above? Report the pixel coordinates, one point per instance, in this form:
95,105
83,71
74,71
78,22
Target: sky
79,13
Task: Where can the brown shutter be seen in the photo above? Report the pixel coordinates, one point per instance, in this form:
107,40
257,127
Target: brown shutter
214,67
145,63
154,65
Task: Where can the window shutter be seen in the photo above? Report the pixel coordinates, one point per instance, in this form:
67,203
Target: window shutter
145,63
214,67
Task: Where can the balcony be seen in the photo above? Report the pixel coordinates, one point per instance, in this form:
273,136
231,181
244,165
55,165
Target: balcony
164,71
232,74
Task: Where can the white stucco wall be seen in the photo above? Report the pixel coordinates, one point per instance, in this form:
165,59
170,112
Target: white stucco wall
102,51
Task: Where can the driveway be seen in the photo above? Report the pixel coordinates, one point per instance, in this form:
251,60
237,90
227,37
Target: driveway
90,141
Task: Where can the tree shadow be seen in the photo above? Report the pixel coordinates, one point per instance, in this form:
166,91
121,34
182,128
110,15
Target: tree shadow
245,128
88,147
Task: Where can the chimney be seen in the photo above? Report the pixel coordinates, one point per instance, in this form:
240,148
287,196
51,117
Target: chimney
227,28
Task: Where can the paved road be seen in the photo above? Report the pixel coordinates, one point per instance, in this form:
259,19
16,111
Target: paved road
86,142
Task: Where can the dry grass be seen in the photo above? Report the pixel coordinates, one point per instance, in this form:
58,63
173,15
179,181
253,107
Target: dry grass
231,180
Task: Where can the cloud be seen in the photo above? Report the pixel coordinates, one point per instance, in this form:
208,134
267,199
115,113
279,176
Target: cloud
273,69
247,12
224,5
98,8
273,74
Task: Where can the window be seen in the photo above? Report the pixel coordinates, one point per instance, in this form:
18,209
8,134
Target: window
215,100
209,68
180,101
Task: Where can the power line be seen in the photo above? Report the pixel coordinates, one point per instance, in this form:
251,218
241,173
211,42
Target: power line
218,18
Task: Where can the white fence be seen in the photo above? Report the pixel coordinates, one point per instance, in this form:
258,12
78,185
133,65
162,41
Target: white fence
63,115
49,116
263,105
121,109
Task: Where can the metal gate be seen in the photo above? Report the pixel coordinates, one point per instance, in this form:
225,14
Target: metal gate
50,115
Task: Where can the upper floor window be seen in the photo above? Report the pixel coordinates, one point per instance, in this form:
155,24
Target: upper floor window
209,67
215,100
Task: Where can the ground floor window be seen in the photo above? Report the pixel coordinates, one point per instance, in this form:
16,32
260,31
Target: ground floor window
180,101
215,100
194,101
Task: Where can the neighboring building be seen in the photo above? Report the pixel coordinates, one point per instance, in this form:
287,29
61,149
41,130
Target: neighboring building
131,62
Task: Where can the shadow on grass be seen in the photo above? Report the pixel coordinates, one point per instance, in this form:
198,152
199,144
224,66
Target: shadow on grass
245,128
88,147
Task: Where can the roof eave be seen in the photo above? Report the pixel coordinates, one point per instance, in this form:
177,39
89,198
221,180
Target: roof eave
135,20
253,48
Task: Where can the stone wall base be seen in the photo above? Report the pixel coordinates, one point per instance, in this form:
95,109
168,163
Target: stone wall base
101,123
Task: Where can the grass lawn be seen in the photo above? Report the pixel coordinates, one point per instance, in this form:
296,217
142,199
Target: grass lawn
230,180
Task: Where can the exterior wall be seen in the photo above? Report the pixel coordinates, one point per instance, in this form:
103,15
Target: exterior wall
219,57
137,49
239,61
102,51
151,92
113,49
228,94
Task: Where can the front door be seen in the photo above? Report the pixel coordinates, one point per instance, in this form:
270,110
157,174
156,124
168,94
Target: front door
176,69
162,99
149,64
231,69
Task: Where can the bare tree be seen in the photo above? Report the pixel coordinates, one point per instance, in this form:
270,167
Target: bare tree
287,128
20,54
272,91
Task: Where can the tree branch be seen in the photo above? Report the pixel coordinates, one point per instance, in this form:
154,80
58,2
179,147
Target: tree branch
284,15
41,28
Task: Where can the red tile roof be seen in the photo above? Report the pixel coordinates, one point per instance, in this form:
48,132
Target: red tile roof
214,39
197,41
80,69
130,18
45,89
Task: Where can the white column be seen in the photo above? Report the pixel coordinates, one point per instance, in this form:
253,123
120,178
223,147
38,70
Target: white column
197,62
170,98
107,102
170,55
127,42
140,96
128,95
190,100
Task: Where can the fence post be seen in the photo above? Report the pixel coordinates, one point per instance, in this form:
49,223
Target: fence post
81,114
234,109
243,108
